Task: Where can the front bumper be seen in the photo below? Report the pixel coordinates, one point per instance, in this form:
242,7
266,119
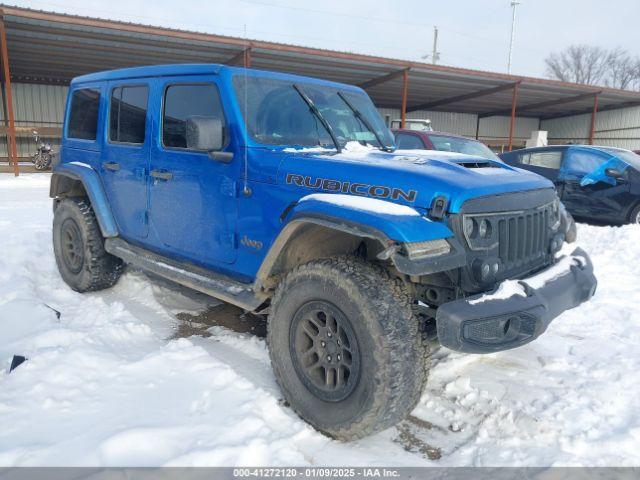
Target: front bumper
519,311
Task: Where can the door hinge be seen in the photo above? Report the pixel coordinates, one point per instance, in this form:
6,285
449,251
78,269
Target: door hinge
140,173
228,187
229,239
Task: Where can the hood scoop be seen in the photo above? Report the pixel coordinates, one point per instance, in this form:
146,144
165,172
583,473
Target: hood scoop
476,164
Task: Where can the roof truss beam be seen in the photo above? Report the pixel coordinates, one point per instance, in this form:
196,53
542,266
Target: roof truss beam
589,110
239,58
384,78
462,98
542,105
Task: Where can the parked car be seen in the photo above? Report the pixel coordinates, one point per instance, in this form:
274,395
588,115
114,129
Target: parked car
598,183
252,187
407,139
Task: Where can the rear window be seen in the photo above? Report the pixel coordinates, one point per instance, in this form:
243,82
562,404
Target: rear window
543,159
128,114
83,115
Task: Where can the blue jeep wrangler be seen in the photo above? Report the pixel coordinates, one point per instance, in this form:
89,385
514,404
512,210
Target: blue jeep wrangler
284,195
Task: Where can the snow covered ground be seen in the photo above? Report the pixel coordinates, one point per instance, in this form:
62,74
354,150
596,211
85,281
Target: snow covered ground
110,382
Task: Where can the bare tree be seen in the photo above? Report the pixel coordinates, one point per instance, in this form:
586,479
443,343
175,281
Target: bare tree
623,70
578,64
593,65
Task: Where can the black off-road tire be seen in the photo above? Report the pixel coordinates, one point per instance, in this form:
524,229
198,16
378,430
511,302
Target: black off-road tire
78,246
392,358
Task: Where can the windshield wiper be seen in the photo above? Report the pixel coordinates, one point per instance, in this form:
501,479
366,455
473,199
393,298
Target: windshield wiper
316,112
366,123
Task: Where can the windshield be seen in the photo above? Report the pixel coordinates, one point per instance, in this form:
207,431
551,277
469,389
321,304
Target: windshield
277,114
462,145
626,156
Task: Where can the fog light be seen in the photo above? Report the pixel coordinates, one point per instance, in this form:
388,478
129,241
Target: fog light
485,270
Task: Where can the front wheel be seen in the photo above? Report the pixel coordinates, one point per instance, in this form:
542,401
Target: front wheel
634,216
346,347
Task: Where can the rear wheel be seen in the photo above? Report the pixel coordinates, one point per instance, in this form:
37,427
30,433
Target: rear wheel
345,347
78,246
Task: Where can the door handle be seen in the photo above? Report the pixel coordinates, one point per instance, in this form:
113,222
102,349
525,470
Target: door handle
113,166
161,174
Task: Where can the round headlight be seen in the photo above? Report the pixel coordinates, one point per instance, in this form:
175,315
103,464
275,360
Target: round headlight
470,227
485,229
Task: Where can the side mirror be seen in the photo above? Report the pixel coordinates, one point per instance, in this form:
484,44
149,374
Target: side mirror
204,133
207,134
614,173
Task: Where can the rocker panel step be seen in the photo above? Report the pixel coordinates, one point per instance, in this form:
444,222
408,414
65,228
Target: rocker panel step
197,278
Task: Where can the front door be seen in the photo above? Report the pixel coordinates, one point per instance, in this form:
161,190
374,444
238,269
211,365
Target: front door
125,156
585,200
193,198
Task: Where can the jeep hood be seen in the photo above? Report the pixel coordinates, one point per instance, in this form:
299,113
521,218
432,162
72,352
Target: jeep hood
410,177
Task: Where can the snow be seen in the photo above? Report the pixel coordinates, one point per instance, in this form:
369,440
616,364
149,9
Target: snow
349,147
363,204
110,383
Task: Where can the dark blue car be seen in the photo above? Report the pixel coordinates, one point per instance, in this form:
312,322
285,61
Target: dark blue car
598,183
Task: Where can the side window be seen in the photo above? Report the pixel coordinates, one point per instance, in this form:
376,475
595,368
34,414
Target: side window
581,162
551,159
409,142
128,114
83,114
184,101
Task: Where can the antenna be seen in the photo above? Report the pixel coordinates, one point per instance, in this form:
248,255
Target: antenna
245,189
514,4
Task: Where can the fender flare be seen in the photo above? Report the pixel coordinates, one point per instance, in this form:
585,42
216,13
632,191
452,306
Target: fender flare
90,180
388,229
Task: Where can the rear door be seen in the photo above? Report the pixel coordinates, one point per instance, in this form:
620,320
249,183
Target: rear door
193,198
125,156
543,162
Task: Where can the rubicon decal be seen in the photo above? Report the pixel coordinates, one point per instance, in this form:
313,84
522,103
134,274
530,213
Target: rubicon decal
363,189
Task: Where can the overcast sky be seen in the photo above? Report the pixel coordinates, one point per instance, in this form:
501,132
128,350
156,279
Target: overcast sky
472,34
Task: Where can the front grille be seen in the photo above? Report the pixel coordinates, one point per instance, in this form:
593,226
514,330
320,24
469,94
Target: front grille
522,238
518,228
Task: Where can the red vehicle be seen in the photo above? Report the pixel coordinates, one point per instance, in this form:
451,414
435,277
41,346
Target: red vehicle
446,142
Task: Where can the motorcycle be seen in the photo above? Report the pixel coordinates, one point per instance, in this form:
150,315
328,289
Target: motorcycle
41,159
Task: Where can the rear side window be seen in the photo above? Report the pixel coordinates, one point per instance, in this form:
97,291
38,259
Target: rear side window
83,115
128,114
551,159
409,142
184,101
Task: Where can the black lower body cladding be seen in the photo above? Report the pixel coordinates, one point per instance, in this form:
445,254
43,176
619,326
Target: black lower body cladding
479,325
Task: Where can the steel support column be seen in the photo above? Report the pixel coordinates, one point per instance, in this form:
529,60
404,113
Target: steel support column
247,58
512,120
594,114
405,90
12,148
